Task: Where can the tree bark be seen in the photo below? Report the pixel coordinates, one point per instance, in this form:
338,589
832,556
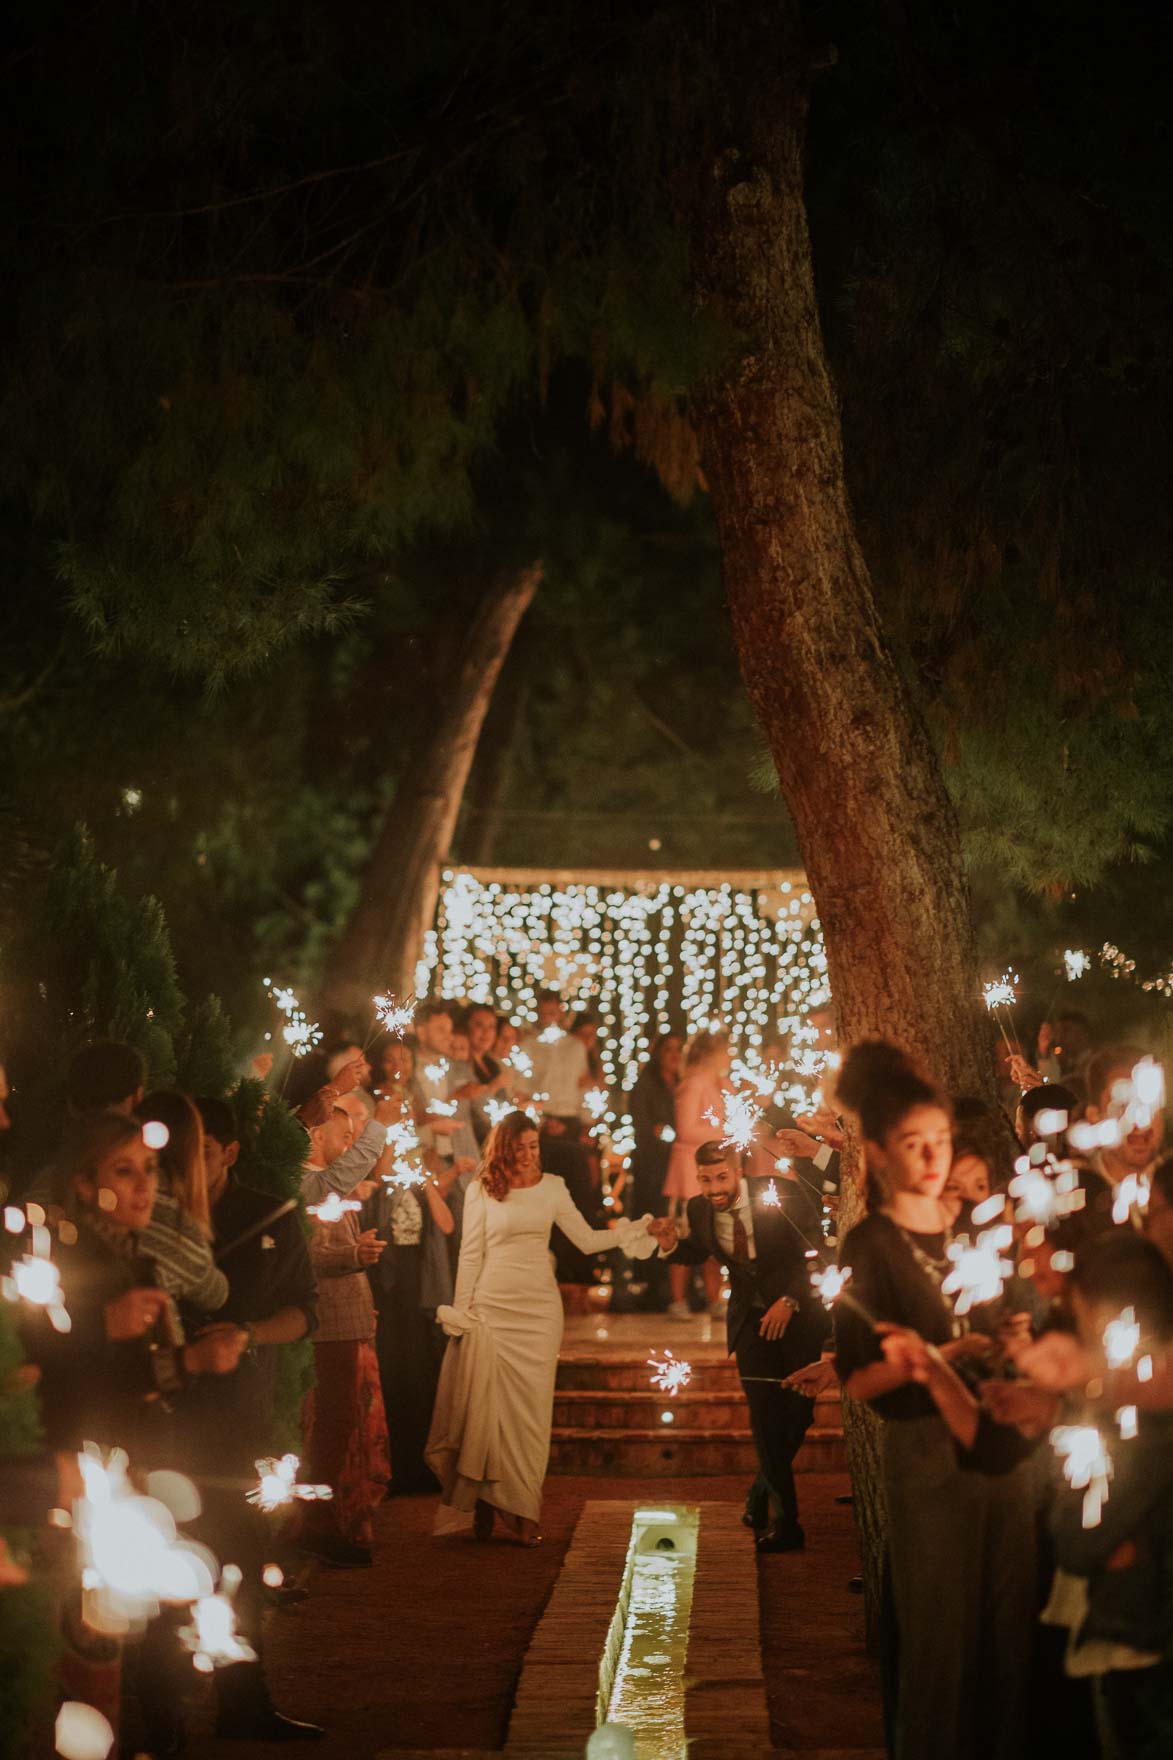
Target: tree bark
478,839
382,941
876,828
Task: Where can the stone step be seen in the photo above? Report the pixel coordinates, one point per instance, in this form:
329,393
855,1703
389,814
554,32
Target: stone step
670,1450
644,1409
709,1375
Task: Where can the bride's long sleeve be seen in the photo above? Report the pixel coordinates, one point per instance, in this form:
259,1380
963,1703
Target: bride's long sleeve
472,1247
631,1237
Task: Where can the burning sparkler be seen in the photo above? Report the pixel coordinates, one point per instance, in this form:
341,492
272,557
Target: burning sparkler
830,1284
670,1374
333,1207
131,1557
596,1101
772,1196
496,1110
278,1486
1087,1466
393,1016
299,1032
212,1637
36,1280
1001,994
740,1121
1121,1339
979,1270
1075,962
520,1061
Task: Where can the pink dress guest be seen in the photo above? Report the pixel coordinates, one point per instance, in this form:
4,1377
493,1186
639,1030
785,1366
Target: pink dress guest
697,1093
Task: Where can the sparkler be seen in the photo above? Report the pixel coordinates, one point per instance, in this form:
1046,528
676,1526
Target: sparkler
772,1196
212,1637
670,1374
1087,1466
740,1121
596,1101
405,1174
979,1270
436,1072
496,1110
278,1486
394,1017
130,1554
830,1284
333,1207
1121,1339
36,1280
299,1032
521,1061
1132,1193
1001,994
1075,962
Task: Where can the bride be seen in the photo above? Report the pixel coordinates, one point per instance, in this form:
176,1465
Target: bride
490,1437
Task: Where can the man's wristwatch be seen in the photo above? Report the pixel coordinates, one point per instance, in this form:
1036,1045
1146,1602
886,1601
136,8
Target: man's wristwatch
790,1303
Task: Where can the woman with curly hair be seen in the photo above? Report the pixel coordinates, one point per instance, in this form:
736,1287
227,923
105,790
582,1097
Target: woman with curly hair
490,1437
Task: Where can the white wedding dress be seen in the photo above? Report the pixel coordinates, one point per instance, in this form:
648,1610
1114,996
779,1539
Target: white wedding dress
490,1435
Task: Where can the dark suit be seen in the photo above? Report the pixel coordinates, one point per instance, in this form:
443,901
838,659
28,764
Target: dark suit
781,1233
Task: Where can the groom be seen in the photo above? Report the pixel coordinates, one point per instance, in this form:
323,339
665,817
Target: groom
761,1230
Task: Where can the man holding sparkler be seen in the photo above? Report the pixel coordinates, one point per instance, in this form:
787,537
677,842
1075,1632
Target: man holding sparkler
761,1231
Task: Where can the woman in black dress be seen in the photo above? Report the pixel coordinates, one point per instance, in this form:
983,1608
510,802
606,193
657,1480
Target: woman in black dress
961,1541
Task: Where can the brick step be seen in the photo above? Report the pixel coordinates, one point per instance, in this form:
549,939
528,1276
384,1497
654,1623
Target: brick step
643,1409
670,1450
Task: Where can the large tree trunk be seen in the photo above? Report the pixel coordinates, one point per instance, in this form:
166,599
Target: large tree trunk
382,941
478,838
878,834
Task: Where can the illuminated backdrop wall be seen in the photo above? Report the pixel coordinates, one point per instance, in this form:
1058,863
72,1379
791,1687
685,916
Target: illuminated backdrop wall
644,951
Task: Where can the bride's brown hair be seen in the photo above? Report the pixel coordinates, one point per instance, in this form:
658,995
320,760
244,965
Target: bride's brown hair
500,1163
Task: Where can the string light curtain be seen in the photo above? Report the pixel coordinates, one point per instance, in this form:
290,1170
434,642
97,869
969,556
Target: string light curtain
645,952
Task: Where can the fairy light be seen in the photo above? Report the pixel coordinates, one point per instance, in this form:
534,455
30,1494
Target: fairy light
670,1374
596,1102
979,1270
655,956
1087,1466
333,1207
81,1732
1130,1195
277,1485
155,1134
1127,1423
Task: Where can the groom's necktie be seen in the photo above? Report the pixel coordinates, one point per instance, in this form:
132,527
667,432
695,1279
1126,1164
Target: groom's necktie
740,1241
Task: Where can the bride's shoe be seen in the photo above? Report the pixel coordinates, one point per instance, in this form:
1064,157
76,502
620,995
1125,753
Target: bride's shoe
482,1520
527,1534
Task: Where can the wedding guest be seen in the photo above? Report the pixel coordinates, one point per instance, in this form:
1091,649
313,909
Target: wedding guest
103,1076
178,1236
490,1436
346,1426
961,1542
488,1079
561,1071
1105,1169
698,1101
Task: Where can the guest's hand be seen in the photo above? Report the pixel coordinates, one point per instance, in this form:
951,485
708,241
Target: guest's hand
906,1350
464,1164
1023,1075
440,1126
369,1248
1030,1409
217,1350
347,1079
1056,1361
662,1229
262,1063
824,1125
131,1315
813,1379
776,1318
388,1110
972,1345
796,1144
366,1188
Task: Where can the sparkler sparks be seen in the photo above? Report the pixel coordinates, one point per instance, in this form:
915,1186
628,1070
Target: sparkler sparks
277,1485
130,1554
979,1269
299,1032
772,1196
496,1110
520,1061
1001,993
394,1017
36,1280
1121,1339
212,1637
1087,1466
740,1121
596,1102
830,1284
333,1207
669,1373
1075,963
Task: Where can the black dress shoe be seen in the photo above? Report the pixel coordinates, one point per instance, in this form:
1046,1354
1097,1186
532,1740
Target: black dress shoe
845,1498
855,1585
342,1554
266,1726
748,1522
781,1540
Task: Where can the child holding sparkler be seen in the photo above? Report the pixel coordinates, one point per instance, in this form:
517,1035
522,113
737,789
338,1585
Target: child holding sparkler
961,1543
